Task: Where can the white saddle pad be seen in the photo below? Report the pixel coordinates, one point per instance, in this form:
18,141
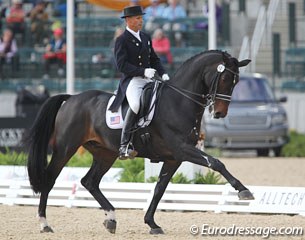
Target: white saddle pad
115,120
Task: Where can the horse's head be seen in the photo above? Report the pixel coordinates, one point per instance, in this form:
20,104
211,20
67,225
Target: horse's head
226,76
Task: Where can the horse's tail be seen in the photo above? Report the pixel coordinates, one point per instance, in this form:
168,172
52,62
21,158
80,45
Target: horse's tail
38,138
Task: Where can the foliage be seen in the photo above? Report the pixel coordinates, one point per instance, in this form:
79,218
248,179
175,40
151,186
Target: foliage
127,176
177,178
295,147
210,177
180,178
133,170
14,158
80,160
152,179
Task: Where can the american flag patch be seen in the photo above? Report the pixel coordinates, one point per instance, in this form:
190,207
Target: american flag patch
114,120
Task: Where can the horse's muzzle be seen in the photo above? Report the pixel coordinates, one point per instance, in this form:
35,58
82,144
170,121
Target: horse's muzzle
219,115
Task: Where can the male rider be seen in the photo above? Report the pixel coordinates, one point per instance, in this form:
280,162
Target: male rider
137,61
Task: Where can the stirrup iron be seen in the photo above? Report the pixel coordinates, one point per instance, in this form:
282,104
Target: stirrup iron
129,152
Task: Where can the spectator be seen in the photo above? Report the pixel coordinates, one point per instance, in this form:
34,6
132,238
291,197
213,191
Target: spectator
55,53
60,8
8,51
31,2
161,44
39,23
155,10
56,24
2,13
15,18
173,12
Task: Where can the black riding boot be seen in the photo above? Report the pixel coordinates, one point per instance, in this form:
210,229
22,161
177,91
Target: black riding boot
126,150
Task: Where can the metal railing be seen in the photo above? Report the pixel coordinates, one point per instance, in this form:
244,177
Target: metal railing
257,37
263,27
271,11
244,52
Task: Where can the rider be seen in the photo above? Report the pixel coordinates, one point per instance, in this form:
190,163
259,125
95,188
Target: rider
137,61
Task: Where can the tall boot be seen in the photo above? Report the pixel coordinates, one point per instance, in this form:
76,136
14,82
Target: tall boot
126,150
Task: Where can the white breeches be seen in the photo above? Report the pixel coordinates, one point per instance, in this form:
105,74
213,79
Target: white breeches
134,91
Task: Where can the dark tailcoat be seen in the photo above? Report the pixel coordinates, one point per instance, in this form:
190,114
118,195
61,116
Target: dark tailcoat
132,57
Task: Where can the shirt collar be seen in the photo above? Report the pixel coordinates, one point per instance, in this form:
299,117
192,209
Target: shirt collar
136,34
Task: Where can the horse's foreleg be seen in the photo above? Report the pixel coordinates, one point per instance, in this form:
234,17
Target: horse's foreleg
196,156
167,171
91,183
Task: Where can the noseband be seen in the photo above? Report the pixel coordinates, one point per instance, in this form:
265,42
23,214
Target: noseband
212,95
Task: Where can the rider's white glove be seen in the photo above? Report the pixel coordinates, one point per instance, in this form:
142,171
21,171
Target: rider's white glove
165,77
149,72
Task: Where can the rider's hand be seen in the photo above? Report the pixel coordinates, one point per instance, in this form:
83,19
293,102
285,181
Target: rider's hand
149,72
165,77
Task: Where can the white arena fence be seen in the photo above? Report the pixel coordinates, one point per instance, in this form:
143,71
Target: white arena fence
189,197
15,190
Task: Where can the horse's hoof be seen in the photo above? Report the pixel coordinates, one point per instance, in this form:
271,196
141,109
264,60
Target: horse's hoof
110,225
156,231
245,195
46,229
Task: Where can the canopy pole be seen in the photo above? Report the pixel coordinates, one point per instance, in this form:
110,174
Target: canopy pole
70,47
212,24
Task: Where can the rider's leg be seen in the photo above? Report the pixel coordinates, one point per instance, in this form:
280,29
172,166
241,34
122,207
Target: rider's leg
126,150
133,94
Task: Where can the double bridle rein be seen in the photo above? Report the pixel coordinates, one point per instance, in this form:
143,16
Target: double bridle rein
212,95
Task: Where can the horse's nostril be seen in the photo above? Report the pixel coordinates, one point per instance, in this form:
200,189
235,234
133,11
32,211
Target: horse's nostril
217,114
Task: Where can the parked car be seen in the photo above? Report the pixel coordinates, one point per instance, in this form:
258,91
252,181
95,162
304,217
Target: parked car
255,120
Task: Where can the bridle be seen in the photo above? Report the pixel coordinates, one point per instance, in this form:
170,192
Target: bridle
212,95
213,89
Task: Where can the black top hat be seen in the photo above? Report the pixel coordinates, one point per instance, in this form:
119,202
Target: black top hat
132,11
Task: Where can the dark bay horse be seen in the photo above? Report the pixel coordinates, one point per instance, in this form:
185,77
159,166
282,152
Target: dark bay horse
65,122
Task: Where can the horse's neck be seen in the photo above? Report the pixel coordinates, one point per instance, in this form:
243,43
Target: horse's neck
180,114
180,104
185,83
189,80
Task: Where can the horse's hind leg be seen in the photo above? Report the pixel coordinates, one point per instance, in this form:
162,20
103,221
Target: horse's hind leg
167,171
101,164
58,161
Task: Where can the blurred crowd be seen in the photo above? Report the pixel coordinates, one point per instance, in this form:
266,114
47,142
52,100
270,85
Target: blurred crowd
41,25
45,33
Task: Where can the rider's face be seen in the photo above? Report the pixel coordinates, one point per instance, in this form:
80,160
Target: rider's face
135,22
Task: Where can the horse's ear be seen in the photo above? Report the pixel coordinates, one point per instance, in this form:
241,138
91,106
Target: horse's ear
244,63
225,57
